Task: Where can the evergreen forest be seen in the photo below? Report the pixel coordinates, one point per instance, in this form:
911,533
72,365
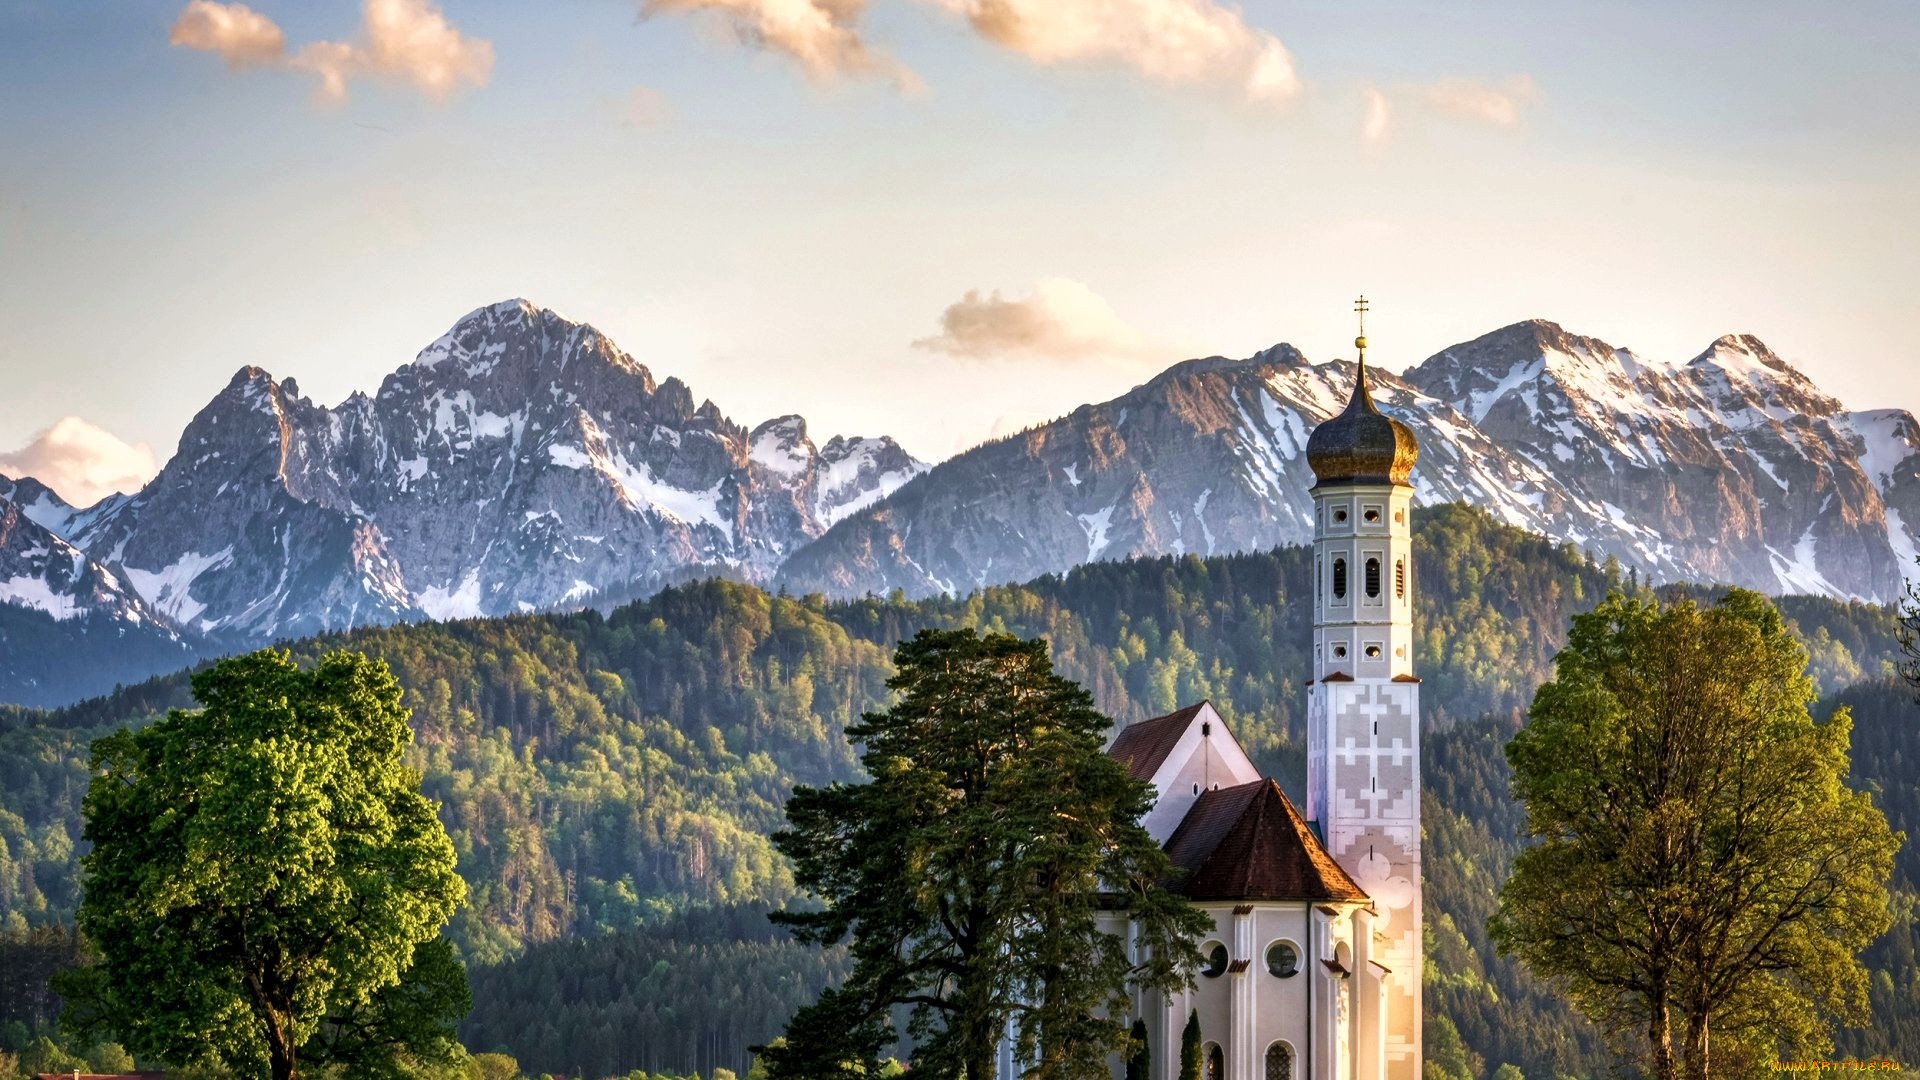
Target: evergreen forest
610,781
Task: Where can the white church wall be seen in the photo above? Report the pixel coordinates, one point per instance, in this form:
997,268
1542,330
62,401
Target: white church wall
1206,757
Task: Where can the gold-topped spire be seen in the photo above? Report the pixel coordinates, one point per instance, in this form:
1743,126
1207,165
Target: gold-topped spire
1360,342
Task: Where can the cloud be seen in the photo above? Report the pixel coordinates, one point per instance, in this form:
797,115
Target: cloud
642,107
1169,41
1060,319
236,33
1498,104
1379,116
82,462
823,35
402,41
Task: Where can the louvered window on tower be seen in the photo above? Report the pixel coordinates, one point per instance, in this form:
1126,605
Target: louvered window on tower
1400,578
1339,579
1373,579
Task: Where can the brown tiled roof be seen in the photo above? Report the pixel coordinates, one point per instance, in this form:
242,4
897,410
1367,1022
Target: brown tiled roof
1249,843
1144,746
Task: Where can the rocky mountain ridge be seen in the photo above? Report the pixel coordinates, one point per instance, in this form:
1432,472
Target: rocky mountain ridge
523,462
1730,467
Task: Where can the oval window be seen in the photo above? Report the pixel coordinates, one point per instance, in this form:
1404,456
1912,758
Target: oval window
1373,578
1283,960
1216,962
1339,579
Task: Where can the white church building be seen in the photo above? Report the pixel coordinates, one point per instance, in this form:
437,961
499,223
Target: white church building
1312,968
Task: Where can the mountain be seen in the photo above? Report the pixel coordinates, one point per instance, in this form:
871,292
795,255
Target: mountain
522,462
1734,465
68,626
1730,467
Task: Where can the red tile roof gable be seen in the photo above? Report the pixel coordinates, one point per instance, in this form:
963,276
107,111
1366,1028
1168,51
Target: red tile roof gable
1249,843
1143,747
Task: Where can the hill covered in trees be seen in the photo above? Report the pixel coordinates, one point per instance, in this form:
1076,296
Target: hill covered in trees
615,777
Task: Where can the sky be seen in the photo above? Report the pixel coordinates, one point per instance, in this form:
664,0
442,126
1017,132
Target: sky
935,219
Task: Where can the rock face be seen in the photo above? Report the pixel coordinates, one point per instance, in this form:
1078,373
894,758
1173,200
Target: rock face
68,626
1731,467
522,462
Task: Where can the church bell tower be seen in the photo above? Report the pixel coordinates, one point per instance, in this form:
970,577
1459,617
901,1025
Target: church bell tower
1363,711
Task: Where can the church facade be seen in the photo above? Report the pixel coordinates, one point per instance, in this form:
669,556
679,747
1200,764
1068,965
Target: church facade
1312,966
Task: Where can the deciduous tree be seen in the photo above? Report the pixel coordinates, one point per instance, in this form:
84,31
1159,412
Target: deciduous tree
1701,875
261,864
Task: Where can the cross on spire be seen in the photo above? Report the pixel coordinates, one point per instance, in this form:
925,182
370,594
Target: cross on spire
1360,342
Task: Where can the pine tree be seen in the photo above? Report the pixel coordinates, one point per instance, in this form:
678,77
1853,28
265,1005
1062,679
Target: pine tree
972,872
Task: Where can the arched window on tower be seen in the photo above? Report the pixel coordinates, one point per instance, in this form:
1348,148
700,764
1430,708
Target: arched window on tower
1279,1062
1400,578
1373,579
1339,579
1216,1063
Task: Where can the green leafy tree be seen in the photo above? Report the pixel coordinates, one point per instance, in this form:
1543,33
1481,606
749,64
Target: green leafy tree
973,871
1190,1047
1701,867
398,1028
261,864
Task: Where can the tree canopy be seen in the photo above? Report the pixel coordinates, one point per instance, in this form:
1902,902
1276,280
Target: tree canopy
1700,864
264,867
973,870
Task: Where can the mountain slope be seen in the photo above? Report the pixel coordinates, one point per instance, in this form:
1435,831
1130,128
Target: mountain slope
1732,467
69,626
522,462
602,774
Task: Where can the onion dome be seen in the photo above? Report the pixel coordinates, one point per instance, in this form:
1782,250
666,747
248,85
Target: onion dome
1362,445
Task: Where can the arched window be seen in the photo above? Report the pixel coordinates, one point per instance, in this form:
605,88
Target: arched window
1373,579
1400,578
1216,960
1216,1063
1279,1062
1339,579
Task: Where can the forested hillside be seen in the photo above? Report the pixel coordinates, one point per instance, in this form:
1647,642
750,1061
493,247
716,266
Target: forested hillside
610,774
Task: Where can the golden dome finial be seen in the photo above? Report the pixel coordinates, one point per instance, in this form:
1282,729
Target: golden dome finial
1360,342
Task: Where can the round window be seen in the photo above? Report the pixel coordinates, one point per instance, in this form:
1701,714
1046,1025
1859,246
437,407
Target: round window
1283,960
1216,960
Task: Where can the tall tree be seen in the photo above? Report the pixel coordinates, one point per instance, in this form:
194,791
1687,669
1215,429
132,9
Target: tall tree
1190,1047
973,871
1701,867
262,864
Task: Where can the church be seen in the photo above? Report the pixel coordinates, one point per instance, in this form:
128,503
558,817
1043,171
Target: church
1312,969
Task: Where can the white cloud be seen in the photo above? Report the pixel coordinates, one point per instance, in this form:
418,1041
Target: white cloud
642,107
403,41
823,35
1178,42
82,462
1500,104
1379,116
236,33
1060,319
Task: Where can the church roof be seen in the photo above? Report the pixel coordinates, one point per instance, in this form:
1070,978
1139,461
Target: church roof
1249,843
1143,747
